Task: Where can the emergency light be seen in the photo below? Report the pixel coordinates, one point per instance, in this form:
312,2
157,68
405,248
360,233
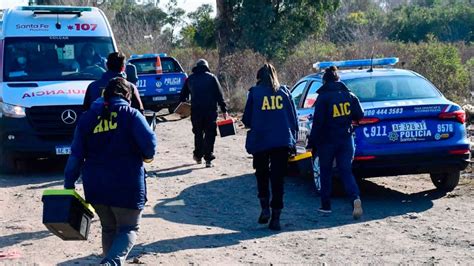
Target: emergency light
388,61
136,56
57,9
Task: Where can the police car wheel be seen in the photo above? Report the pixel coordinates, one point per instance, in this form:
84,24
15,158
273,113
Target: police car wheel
445,181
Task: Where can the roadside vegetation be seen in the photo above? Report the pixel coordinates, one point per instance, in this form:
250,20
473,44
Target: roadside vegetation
432,37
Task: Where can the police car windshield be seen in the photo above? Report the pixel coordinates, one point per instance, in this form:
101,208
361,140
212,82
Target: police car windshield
148,65
389,88
55,58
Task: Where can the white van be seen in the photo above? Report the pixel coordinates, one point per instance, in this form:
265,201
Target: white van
48,57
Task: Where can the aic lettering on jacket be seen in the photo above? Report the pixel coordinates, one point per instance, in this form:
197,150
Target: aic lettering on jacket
105,125
274,103
341,109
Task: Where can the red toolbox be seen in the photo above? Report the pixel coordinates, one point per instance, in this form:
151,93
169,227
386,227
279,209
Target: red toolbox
226,127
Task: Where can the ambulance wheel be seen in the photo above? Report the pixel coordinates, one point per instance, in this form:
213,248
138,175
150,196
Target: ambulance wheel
445,181
316,175
7,163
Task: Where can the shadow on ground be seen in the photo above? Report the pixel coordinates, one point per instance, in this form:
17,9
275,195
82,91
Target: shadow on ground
231,204
172,171
10,240
39,174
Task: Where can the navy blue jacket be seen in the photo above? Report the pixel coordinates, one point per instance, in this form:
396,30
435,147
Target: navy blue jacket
335,109
205,91
271,118
95,89
109,155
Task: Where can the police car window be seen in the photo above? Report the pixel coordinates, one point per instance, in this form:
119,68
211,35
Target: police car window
297,92
312,95
55,58
391,88
148,65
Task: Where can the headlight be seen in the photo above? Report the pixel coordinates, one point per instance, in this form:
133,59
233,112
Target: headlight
13,111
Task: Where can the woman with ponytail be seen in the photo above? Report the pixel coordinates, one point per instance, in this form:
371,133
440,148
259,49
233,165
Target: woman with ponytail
111,142
271,116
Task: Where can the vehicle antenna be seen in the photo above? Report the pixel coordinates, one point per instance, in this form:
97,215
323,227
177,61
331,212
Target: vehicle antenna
371,61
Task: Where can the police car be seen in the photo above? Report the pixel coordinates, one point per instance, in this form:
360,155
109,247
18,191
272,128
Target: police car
48,57
160,80
409,126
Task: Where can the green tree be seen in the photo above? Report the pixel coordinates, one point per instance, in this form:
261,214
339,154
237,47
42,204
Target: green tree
447,22
201,31
270,27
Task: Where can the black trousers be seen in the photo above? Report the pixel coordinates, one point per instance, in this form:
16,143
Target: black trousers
205,131
270,169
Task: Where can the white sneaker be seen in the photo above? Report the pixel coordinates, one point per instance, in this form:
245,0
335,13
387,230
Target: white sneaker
357,212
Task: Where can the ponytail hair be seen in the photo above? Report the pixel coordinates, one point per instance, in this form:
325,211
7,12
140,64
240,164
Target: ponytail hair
117,87
330,74
267,76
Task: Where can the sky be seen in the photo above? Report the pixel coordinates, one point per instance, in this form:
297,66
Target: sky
188,5
9,3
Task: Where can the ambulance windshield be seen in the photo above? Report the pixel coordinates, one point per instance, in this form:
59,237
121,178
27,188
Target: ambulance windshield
55,58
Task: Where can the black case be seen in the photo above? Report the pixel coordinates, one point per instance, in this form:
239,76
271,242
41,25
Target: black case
67,216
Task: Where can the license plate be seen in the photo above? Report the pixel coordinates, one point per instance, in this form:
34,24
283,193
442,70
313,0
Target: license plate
409,126
63,150
159,98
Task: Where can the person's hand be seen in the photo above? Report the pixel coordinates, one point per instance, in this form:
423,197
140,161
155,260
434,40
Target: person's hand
309,150
225,115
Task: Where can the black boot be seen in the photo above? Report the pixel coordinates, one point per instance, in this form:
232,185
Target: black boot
265,214
275,221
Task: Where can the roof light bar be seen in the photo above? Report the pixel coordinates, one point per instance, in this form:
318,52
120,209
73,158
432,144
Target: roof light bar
57,9
136,56
387,61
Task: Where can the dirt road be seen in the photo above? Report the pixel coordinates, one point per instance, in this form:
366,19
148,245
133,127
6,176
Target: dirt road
208,216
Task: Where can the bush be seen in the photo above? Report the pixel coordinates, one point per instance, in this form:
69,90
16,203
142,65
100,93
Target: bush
441,64
187,57
238,74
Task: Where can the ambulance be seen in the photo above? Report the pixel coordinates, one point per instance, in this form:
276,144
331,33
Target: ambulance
48,57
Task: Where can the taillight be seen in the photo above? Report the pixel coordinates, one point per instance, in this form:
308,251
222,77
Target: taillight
368,120
364,158
459,152
459,116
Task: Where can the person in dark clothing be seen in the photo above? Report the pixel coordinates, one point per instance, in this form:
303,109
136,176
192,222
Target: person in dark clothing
271,116
116,68
111,142
89,57
206,93
332,137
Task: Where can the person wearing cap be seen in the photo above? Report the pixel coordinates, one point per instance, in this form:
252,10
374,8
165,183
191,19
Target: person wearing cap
115,68
331,138
206,94
111,142
270,115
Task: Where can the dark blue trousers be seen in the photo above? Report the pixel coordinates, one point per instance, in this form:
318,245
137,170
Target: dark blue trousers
343,152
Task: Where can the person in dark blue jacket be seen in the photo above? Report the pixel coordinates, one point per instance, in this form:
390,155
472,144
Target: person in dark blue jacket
206,93
332,137
111,142
115,68
271,116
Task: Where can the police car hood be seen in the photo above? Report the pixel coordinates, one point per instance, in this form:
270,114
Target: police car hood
45,93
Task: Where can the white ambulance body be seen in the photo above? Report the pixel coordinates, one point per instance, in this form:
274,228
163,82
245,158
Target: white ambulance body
48,57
